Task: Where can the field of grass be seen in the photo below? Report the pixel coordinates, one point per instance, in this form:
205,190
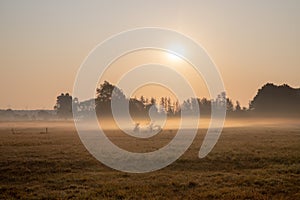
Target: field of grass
248,162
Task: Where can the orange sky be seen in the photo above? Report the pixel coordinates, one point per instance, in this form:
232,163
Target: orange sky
137,58
44,43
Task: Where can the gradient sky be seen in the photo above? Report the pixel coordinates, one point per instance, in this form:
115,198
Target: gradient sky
43,43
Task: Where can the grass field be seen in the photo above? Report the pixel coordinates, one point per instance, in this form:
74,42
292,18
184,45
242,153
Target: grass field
248,162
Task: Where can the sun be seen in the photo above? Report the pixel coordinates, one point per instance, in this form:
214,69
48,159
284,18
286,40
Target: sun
173,57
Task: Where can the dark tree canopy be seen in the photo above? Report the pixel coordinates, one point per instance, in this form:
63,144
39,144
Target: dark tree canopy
64,106
105,93
274,99
269,99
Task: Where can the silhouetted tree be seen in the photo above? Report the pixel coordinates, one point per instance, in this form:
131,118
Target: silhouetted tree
75,105
229,105
162,105
63,106
186,106
169,106
205,106
177,108
238,106
142,99
105,94
276,100
153,101
137,108
152,104
107,91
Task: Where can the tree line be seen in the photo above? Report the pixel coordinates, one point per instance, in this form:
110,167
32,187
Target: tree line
270,99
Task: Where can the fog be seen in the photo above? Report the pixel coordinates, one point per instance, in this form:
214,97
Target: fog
204,123
170,123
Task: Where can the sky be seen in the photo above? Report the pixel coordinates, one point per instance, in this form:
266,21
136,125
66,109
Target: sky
43,43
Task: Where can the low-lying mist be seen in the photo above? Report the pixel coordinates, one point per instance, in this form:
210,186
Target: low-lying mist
108,123
203,123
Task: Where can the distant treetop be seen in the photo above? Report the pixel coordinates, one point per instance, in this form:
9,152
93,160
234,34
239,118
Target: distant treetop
281,99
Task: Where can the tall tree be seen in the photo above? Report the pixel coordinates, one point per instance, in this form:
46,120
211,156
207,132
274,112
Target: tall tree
162,105
105,93
276,100
238,106
229,105
63,106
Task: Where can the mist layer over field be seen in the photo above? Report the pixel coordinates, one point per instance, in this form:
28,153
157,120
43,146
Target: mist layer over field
253,159
204,123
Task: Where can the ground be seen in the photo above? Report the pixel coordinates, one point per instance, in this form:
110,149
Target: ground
248,162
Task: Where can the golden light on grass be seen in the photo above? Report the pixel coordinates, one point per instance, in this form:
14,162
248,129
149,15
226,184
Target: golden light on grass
244,164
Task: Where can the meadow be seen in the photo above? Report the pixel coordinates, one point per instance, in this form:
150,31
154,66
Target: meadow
250,161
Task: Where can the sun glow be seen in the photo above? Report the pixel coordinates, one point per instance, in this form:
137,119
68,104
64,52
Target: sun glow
173,57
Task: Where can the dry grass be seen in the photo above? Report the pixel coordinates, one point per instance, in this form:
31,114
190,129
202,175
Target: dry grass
256,162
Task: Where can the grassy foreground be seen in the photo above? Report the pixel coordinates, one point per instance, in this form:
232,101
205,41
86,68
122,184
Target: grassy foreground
251,162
